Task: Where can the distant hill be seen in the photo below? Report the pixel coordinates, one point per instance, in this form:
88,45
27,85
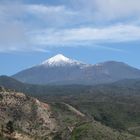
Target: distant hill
11,83
126,86
60,70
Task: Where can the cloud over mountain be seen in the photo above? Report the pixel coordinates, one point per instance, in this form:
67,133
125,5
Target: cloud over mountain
33,26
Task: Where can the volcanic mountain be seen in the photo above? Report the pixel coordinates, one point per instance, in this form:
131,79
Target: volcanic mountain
60,70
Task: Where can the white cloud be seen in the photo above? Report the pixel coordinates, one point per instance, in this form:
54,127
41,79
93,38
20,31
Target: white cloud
36,26
118,33
12,31
44,9
42,40
105,11
52,16
117,9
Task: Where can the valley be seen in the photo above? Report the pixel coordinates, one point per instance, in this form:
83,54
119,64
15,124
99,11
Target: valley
79,111
27,118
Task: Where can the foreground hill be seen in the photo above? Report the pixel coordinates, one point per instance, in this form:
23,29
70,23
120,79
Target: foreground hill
60,70
24,114
26,118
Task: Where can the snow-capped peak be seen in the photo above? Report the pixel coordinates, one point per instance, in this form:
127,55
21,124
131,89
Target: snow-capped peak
60,60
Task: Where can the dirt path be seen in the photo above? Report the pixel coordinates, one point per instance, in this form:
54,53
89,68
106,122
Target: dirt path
71,108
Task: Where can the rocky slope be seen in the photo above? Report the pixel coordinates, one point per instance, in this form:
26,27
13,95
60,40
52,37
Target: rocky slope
26,115
26,118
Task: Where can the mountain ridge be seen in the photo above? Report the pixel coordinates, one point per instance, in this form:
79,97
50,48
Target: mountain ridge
62,70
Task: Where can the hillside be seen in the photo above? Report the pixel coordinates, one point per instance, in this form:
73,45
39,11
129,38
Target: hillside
24,117
126,86
11,83
20,113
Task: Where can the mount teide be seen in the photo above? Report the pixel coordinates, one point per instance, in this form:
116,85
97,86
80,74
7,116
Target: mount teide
61,70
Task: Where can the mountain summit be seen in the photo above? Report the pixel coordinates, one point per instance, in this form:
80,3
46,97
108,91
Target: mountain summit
60,60
62,70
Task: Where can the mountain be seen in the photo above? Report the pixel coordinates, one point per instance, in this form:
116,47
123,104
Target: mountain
61,70
60,60
26,118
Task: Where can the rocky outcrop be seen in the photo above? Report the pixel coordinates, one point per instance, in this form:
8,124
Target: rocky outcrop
25,114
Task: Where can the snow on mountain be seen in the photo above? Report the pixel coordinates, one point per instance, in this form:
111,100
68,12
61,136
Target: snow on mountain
60,60
62,70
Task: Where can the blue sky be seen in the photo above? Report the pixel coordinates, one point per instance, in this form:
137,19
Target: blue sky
91,31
